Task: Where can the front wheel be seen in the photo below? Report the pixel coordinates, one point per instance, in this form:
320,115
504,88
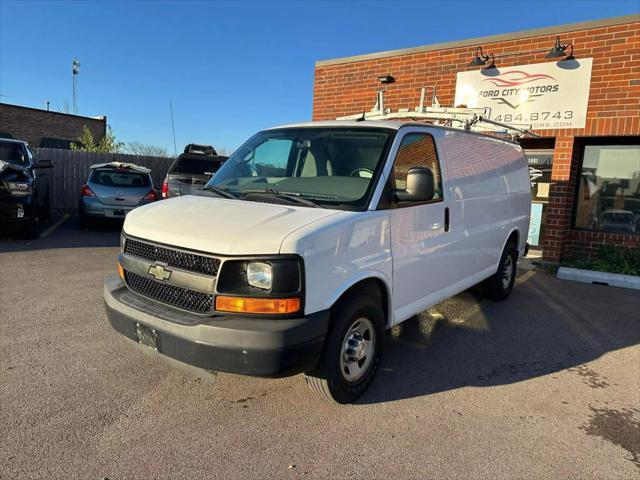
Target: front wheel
45,209
352,350
31,229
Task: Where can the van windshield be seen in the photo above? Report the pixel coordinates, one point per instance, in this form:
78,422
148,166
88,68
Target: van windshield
332,167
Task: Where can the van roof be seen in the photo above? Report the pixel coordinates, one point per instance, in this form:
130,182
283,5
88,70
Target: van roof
390,124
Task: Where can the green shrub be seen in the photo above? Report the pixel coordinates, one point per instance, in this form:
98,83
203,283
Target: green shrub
609,258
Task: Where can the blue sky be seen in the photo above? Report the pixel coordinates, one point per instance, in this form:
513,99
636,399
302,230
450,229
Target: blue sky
230,68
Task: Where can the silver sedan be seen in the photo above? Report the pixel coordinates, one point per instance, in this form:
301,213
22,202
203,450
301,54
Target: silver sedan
113,190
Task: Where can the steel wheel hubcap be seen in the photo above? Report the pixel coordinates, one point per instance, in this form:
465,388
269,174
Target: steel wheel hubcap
507,272
357,349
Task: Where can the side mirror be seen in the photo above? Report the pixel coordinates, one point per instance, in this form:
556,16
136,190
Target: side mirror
44,164
420,186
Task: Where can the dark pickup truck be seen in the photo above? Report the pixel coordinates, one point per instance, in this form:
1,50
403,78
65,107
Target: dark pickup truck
24,188
191,171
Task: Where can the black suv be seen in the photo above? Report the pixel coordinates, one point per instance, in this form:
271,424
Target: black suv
24,187
191,170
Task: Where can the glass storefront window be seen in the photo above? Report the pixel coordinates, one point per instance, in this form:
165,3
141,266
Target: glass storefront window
540,165
609,189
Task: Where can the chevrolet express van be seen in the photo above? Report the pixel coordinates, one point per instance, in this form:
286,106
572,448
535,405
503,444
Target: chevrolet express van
314,238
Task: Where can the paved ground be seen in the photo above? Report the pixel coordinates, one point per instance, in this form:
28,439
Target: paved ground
544,385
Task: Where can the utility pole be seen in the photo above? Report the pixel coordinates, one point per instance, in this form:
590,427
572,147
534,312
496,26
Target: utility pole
75,69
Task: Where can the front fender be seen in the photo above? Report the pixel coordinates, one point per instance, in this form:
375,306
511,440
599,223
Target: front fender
361,277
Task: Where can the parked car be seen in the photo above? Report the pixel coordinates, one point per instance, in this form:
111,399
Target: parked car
191,170
24,188
314,238
620,221
113,190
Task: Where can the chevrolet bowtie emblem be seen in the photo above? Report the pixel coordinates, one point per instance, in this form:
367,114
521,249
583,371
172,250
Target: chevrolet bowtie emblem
159,272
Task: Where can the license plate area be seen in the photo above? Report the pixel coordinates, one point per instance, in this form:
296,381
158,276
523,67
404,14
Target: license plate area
147,336
117,213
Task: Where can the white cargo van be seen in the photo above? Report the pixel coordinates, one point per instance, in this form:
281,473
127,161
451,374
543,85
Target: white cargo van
314,238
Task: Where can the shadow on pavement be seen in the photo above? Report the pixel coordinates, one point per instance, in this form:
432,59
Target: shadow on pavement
547,325
66,235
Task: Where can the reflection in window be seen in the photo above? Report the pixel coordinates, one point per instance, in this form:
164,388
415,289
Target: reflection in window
609,189
417,150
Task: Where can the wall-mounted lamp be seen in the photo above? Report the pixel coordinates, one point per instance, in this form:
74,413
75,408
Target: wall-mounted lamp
558,50
386,79
481,59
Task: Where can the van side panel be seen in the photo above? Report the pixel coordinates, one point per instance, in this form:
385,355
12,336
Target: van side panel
490,187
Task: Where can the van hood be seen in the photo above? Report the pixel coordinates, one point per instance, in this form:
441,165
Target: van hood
220,225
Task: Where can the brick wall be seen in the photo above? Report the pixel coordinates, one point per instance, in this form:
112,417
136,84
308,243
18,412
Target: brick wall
32,124
348,87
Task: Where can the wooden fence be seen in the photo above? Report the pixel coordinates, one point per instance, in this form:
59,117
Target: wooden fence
71,170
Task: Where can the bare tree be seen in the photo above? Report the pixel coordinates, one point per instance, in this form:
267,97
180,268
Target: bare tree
224,151
137,148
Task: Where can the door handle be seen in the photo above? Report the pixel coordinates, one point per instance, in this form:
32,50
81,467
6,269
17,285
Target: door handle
446,219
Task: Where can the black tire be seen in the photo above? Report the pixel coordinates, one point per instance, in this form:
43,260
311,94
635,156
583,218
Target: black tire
499,285
31,228
45,209
351,319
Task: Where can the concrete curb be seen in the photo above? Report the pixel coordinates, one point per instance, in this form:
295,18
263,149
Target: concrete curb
600,278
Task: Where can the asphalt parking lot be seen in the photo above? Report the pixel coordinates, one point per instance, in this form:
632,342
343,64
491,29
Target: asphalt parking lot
544,385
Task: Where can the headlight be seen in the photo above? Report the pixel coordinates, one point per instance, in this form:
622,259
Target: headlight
19,189
259,275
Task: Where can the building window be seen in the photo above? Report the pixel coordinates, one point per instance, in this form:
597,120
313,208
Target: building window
608,198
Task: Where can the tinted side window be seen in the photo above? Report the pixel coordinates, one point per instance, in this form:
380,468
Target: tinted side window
416,150
30,155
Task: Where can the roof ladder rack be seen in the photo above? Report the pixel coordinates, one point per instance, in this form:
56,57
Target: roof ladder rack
469,119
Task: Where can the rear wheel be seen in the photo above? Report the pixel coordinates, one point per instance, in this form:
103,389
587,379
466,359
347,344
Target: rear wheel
500,284
352,350
31,228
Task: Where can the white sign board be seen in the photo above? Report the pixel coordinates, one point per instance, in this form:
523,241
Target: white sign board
544,95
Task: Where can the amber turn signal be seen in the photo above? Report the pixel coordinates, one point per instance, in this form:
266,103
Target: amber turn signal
120,270
271,306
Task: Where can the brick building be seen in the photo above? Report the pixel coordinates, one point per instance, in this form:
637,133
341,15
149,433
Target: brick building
585,165
43,128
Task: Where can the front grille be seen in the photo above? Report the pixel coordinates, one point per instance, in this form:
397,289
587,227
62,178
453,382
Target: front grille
191,262
177,296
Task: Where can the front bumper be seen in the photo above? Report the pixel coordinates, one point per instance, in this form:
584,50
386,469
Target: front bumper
250,346
16,210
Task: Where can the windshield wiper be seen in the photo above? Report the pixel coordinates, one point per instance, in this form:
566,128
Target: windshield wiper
220,191
290,196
